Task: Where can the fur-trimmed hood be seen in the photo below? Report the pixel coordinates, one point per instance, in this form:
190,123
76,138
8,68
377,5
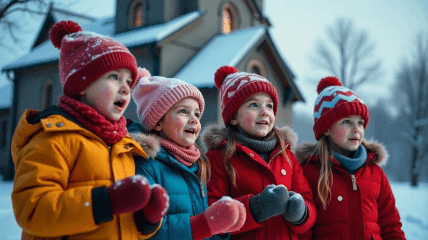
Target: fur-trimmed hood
149,142
306,150
213,135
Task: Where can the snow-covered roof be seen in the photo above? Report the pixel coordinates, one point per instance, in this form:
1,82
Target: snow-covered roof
224,49
5,94
46,52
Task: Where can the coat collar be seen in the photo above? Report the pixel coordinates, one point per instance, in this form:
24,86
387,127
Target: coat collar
306,152
213,136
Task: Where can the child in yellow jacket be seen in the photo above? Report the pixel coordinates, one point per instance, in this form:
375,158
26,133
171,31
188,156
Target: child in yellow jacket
75,174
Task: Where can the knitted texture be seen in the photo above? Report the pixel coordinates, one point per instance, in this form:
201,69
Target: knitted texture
296,208
186,156
352,164
235,87
154,96
335,102
225,215
91,119
269,203
158,204
129,194
86,56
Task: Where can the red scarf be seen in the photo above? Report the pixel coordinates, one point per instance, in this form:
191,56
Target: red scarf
110,132
187,156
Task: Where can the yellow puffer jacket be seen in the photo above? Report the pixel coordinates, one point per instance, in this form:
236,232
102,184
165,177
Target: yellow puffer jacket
57,165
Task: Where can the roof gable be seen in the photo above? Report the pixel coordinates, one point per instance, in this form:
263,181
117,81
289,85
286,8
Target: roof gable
55,15
46,52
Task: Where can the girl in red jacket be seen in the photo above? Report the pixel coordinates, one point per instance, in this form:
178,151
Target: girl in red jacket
251,160
352,194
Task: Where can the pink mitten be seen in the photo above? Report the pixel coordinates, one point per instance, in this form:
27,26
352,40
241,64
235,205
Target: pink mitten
129,194
241,219
158,204
218,218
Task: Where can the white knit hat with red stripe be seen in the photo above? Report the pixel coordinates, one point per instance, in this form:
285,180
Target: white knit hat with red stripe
335,102
155,95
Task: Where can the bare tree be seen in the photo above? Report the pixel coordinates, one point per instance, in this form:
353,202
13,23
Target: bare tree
412,100
14,17
348,55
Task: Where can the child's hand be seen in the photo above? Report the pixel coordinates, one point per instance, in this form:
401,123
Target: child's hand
129,194
296,208
269,203
223,216
158,204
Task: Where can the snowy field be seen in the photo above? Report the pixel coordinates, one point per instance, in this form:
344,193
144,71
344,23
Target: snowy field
411,202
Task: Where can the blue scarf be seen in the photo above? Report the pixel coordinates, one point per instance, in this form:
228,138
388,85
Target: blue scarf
352,164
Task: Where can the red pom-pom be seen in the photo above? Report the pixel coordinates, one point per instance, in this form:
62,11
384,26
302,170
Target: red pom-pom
222,73
60,29
327,82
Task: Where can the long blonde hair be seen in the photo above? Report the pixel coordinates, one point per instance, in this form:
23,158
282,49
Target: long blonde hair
325,179
230,150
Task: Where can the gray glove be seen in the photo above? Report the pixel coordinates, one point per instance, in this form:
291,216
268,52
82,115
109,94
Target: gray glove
296,210
271,202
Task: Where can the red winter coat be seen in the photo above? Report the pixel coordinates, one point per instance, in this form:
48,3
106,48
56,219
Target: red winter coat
361,210
253,175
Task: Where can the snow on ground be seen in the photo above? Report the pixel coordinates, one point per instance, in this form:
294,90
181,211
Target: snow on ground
411,202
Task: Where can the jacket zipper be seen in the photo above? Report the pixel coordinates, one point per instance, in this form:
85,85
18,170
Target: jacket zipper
202,189
354,182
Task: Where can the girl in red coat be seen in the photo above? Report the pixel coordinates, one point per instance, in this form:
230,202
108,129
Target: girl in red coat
252,162
352,194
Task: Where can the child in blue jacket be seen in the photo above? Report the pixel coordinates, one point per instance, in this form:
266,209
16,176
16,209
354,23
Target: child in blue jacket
170,110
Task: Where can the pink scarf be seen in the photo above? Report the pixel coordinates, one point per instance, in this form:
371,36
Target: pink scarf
110,132
186,156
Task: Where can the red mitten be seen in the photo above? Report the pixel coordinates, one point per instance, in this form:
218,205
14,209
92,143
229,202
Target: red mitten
158,204
241,219
129,194
218,218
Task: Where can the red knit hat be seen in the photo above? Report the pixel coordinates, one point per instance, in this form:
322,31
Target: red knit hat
235,87
335,102
86,56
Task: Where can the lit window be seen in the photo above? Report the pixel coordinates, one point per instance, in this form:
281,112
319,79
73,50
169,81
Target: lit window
227,21
138,15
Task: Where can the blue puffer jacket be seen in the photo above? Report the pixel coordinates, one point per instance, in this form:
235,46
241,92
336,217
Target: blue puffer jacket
187,196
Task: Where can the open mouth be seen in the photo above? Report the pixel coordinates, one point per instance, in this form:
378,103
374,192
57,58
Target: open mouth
191,131
121,103
262,123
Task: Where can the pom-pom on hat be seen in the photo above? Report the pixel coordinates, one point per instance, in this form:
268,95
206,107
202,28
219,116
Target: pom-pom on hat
335,102
154,96
235,87
86,56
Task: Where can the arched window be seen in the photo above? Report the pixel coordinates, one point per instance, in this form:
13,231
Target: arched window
47,100
255,66
138,15
137,12
3,134
227,21
229,18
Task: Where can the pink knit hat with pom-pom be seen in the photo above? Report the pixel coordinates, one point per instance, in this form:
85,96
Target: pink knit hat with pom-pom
154,96
335,102
86,56
235,87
